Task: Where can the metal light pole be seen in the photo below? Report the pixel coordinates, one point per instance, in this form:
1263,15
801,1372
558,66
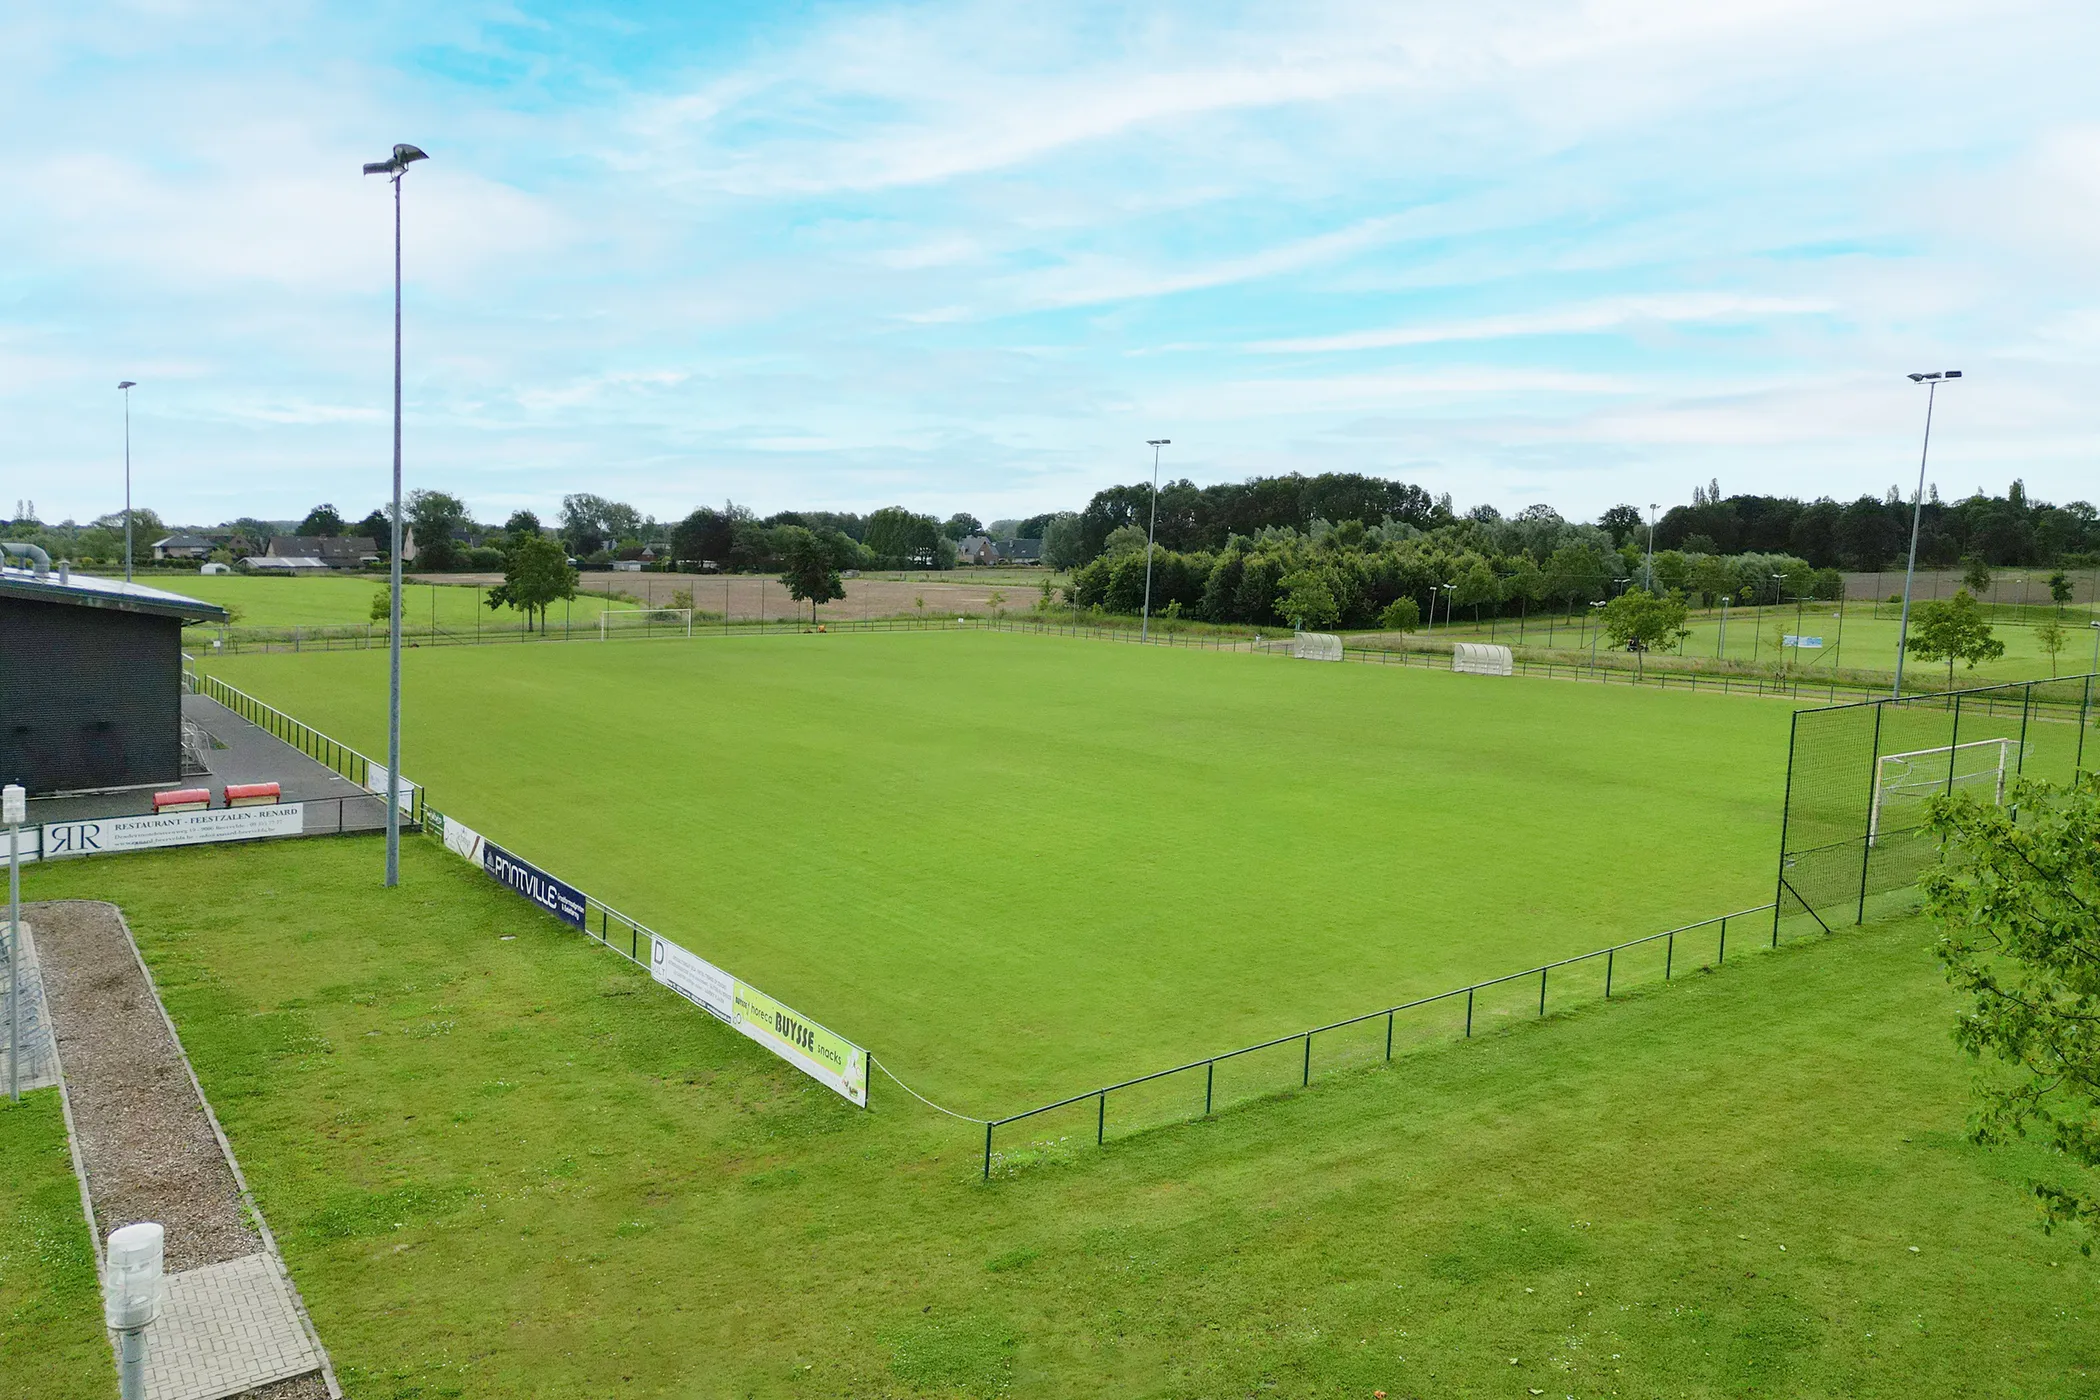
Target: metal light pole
127,386
14,810
1917,513
1145,627
1651,546
394,168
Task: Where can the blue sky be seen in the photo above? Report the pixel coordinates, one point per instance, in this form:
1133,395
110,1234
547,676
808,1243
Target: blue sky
966,256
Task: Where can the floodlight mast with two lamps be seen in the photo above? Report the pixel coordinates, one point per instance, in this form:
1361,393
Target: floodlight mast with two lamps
402,157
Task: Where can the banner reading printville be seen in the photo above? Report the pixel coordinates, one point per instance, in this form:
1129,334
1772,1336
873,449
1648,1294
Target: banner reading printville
829,1059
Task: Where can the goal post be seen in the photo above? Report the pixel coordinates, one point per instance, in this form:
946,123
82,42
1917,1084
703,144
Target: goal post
644,620
1903,781
1316,646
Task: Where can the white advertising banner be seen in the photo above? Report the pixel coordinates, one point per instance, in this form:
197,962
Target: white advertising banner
105,834
694,978
28,843
828,1058
462,840
375,781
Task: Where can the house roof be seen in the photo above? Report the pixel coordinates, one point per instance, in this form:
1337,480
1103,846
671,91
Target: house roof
84,591
183,542
320,546
284,562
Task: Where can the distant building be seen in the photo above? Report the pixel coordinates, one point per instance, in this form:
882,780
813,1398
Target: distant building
334,551
976,549
1020,551
92,688
182,547
215,569
284,564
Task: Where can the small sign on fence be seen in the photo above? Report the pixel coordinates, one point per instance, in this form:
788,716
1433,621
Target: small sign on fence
830,1059
1790,640
106,834
559,898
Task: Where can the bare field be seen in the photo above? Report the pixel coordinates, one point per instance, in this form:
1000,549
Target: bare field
744,597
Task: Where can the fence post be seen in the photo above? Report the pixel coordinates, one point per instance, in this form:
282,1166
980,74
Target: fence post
1866,844
1389,1035
1793,734
1722,956
1469,1013
1210,1079
1101,1121
1307,1080
1542,991
1609,953
1669,952
987,1149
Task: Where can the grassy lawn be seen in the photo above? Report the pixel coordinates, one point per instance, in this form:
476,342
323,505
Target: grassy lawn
503,1163
51,1338
1865,643
1018,866
347,601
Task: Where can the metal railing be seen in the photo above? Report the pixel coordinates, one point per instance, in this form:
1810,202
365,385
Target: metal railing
338,757
1604,962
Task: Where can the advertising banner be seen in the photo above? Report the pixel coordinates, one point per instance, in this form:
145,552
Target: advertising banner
28,842
830,1059
694,978
564,901
1792,641
461,839
375,781
104,834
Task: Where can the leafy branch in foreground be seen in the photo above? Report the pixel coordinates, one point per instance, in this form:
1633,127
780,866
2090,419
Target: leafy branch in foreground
2016,893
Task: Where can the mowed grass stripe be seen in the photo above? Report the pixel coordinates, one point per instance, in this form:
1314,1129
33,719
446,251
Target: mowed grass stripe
1018,865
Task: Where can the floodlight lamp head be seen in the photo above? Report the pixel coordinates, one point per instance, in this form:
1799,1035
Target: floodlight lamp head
1159,442
127,383
1919,378
1950,374
403,156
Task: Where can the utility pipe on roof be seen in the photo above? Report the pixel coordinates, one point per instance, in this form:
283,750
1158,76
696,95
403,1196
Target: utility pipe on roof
33,553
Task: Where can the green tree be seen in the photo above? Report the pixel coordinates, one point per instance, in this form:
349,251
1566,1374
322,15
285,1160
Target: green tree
2051,638
1477,585
899,537
1975,574
2016,893
521,524
962,525
1064,541
2059,589
1124,539
382,609
437,517
1640,622
321,520
536,574
811,577
1401,615
1952,630
1307,601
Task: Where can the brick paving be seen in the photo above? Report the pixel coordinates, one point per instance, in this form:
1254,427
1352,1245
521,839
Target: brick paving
224,1329
39,1062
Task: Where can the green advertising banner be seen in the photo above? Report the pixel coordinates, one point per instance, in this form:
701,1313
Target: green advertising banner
819,1053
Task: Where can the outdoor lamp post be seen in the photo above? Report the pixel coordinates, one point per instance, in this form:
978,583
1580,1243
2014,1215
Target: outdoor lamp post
131,1289
1596,631
1651,546
127,386
1145,627
394,168
1932,384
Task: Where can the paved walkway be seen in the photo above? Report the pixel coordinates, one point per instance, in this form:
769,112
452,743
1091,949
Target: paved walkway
39,1061
224,1329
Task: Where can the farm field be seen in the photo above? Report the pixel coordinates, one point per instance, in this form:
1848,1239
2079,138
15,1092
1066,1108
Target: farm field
347,601
502,1163
1867,642
1019,866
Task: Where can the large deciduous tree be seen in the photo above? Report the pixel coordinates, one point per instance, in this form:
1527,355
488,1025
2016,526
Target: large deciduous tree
812,574
1641,622
322,520
2016,894
1952,630
437,518
535,575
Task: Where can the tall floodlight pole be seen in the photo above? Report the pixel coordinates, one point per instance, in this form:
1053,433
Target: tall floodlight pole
394,168
14,810
1651,546
127,386
1145,627
1917,513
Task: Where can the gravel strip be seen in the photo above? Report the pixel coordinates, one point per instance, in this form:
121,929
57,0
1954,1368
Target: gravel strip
148,1147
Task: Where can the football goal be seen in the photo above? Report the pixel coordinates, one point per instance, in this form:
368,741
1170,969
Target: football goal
1903,781
1316,646
645,620
1481,659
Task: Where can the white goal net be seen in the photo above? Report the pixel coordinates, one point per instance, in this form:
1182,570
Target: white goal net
1482,659
1316,646
645,620
1903,781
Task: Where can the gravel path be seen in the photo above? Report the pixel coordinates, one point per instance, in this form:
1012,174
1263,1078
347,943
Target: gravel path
148,1147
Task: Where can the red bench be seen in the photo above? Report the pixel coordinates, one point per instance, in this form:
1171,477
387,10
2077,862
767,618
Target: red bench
251,794
182,800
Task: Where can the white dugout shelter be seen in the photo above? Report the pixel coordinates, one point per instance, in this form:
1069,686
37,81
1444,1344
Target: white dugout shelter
1481,659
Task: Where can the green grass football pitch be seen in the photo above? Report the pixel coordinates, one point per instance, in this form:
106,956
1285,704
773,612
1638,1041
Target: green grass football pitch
1019,866
502,1164
338,601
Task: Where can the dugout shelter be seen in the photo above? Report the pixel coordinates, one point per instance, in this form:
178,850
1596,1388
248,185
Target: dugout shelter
90,678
